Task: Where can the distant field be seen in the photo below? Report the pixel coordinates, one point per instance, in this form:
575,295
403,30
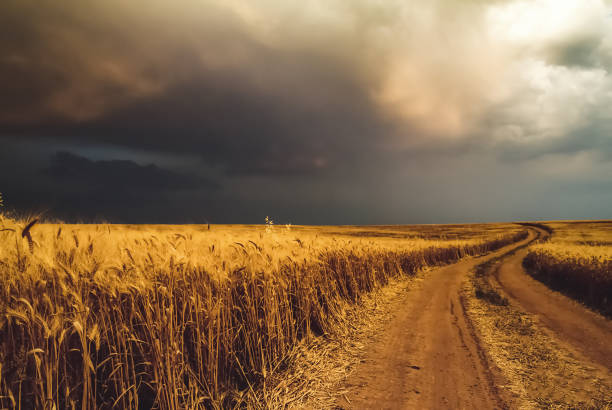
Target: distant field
130,316
578,261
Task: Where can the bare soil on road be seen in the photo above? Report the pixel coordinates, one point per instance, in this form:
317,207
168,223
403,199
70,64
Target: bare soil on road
572,323
429,357
552,351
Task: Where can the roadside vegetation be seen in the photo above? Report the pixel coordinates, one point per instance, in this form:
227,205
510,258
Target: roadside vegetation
118,316
576,260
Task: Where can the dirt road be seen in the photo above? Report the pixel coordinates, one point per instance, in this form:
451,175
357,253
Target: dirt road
428,356
579,328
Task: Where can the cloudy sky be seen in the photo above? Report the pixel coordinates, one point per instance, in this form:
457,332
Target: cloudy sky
312,112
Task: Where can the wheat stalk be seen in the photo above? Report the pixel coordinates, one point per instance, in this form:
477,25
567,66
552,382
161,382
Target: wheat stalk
25,233
158,317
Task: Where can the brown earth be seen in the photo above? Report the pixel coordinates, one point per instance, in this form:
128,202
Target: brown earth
574,325
428,356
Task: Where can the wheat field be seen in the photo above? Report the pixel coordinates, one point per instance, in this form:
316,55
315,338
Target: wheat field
169,317
576,260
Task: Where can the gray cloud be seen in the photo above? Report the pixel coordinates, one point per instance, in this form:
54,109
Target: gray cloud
77,188
581,52
306,109
118,175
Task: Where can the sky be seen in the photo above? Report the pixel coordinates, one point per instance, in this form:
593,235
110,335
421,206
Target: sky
313,112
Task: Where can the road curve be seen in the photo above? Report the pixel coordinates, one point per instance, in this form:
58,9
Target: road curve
572,323
428,355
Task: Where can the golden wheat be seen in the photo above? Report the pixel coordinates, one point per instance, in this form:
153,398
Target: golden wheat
578,261
101,316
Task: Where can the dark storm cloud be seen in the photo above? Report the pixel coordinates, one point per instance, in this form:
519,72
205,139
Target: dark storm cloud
118,175
585,139
328,110
231,123
239,103
76,188
270,88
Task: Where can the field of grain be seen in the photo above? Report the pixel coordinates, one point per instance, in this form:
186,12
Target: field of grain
577,260
115,316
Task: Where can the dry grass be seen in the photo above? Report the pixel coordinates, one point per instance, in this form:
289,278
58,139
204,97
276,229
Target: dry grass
577,260
539,372
106,316
314,372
